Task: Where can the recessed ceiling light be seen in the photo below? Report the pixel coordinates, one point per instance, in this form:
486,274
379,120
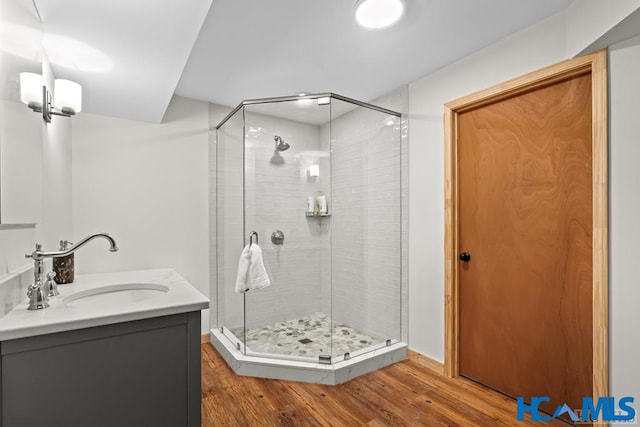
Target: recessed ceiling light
379,14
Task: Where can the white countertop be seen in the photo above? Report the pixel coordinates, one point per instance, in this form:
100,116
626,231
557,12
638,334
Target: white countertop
181,297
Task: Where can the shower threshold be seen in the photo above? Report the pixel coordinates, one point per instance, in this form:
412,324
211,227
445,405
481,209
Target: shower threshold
295,367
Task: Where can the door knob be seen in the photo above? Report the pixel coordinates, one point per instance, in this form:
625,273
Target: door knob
464,256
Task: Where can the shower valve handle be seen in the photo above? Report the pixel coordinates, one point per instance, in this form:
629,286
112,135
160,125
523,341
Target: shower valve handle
277,237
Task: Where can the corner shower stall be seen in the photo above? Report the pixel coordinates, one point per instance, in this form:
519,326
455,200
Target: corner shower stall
316,182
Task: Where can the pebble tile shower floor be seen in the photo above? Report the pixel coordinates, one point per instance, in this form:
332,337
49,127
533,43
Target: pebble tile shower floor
308,336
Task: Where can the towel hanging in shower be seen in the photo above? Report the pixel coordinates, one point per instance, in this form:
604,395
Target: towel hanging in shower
251,272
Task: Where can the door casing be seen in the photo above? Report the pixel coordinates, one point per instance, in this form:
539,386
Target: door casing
596,65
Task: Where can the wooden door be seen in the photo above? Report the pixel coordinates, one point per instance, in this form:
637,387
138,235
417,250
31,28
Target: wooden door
525,217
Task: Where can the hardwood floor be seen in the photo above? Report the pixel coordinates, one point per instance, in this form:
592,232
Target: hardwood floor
408,393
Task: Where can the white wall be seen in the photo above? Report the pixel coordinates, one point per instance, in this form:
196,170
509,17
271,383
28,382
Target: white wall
590,20
57,159
147,184
624,75
16,241
20,164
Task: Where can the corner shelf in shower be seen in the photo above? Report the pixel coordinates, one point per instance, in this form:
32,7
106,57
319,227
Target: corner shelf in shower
315,215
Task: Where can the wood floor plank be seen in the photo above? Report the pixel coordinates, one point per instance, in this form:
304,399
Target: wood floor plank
409,393
324,406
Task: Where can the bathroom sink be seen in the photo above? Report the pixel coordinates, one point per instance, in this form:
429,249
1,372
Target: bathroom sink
124,293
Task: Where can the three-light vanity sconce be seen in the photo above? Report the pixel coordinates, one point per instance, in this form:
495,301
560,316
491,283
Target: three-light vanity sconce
65,101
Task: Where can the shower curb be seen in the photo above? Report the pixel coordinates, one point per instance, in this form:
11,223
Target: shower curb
333,374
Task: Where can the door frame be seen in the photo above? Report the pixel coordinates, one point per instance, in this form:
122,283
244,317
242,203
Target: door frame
596,65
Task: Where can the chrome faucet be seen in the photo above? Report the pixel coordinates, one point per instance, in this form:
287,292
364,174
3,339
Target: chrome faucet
37,294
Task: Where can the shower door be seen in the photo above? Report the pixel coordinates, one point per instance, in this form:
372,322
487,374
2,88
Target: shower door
286,162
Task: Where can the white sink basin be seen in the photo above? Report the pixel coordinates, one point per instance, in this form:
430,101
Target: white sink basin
125,293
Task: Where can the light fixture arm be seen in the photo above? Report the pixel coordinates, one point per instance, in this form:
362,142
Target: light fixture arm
47,108
38,98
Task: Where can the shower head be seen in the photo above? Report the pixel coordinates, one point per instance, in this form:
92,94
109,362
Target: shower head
280,144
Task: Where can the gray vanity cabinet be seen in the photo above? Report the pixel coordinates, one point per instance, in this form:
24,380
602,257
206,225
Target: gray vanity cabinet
139,373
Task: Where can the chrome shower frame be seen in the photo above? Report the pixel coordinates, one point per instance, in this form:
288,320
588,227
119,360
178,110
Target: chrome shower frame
310,96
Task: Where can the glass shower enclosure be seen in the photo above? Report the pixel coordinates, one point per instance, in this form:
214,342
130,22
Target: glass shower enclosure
314,181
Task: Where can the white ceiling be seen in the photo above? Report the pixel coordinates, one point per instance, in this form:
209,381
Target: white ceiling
132,55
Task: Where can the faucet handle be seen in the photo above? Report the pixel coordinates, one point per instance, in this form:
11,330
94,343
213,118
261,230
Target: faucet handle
38,249
37,298
50,286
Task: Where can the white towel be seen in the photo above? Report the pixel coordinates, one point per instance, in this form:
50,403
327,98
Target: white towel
251,272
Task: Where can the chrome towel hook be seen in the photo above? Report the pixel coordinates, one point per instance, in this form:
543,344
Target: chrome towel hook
253,233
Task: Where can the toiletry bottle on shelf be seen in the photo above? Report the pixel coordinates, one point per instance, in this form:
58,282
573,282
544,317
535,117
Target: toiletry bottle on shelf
64,266
321,204
311,204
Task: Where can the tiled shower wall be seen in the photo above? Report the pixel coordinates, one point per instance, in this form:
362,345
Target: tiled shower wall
277,187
